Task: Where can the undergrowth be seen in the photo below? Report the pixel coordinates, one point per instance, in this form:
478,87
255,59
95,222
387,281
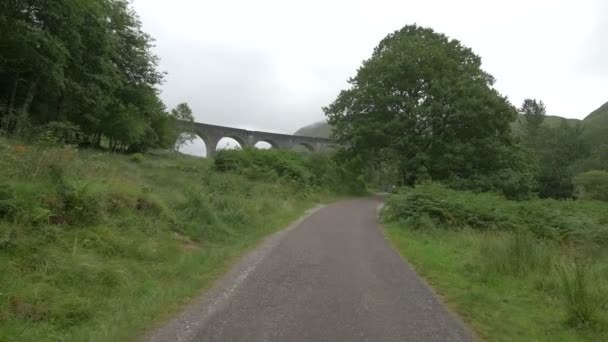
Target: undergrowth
528,270
97,246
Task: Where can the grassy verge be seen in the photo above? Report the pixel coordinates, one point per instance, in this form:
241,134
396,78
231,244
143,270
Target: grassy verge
97,246
508,280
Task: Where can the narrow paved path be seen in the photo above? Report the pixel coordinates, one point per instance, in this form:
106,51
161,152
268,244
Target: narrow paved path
333,277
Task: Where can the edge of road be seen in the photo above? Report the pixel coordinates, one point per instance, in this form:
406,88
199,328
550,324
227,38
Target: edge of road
442,300
186,323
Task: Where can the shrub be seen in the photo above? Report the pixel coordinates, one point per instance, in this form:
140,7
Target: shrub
265,165
137,157
592,185
198,220
303,171
73,205
63,132
7,198
453,209
512,184
580,300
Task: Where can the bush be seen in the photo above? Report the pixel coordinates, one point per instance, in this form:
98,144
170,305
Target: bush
7,198
63,132
512,184
304,171
137,157
592,185
453,209
265,165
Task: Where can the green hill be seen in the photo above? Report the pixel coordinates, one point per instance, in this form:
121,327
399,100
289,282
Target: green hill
551,121
595,124
319,129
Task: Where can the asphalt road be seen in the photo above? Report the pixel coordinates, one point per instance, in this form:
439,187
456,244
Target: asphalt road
330,277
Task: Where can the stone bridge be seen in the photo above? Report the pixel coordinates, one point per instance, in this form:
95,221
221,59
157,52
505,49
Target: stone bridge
212,134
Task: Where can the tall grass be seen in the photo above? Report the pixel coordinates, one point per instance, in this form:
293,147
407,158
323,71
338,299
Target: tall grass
580,296
515,254
551,252
97,246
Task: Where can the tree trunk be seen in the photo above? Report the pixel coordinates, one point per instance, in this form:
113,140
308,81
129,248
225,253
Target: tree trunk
21,121
29,98
11,102
59,115
8,122
96,140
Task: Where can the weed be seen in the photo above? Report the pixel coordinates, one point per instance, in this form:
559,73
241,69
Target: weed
580,300
92,244
516,254
137,157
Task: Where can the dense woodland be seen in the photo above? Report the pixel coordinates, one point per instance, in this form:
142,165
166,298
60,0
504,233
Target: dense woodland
82,69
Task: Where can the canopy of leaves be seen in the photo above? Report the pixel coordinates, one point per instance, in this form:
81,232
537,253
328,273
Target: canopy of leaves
423,102
83,61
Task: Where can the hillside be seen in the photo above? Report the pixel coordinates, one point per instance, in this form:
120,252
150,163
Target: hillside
551,121
596,126
319,129
97,246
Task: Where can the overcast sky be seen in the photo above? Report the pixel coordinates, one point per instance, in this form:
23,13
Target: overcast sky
272,64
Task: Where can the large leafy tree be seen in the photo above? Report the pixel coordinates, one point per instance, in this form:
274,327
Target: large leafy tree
83,61
423,103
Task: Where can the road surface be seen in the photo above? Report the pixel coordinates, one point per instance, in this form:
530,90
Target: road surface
330,277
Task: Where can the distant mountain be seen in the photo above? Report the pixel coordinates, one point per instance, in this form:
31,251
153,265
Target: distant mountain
595,125
550,121
319,129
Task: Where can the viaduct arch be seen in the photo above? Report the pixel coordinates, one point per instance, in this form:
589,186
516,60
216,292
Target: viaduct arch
211,135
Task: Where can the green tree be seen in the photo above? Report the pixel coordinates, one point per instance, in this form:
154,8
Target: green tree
558,151
185,122
534,114
423,101
87,62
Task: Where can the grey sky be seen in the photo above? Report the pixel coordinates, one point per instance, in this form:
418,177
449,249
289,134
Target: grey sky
272,64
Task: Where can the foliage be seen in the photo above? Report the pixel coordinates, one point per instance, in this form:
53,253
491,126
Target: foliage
503,296
185,119
137,157
581,302
516,254
592,185
529,270
596,127
95,247
534,114
557,151
303,170
552,152
83,69
423,102
451,209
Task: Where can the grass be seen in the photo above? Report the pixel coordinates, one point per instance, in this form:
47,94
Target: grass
508,282
100,247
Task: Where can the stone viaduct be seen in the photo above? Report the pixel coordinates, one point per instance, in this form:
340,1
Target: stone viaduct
212,134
